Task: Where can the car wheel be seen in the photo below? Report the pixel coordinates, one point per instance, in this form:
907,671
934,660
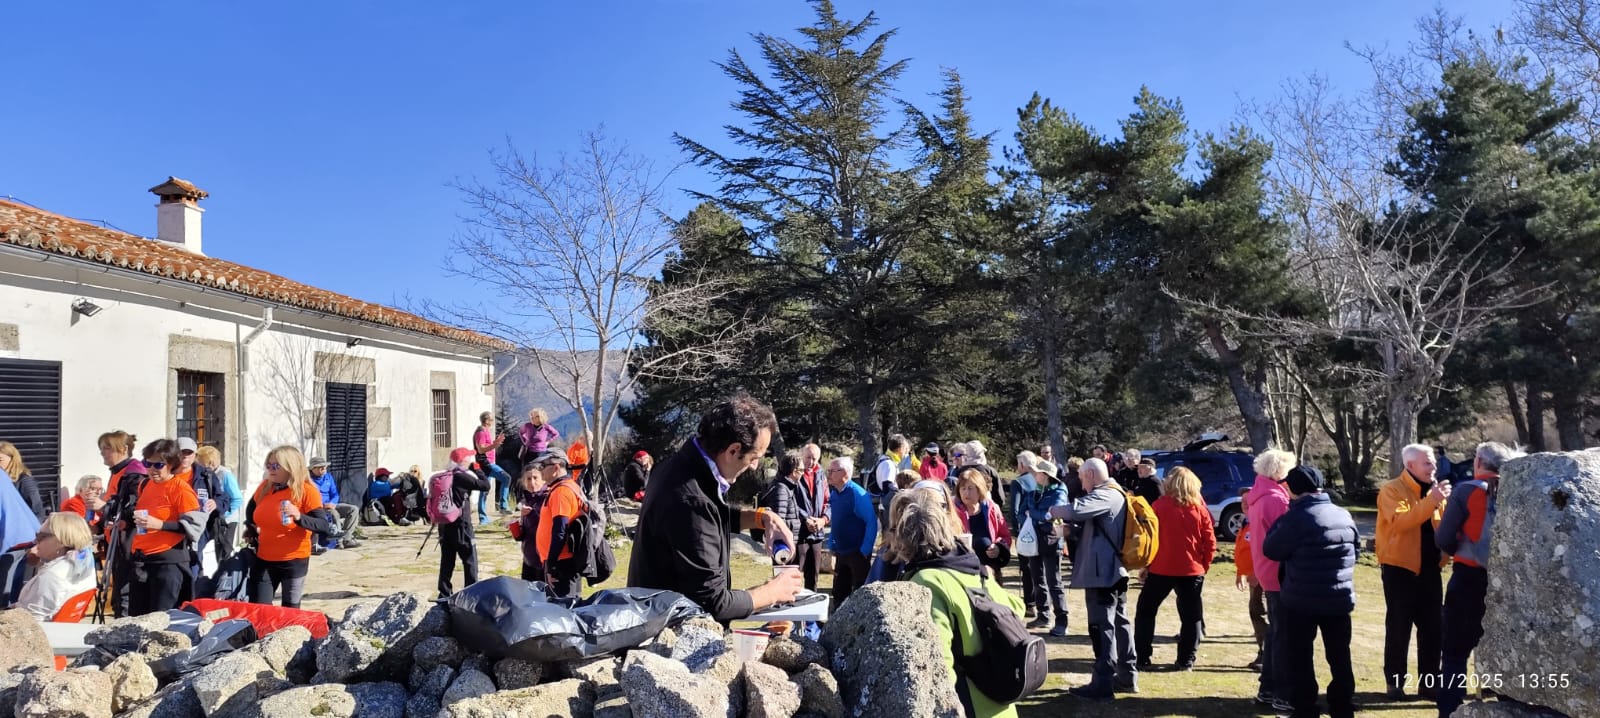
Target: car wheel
1232,523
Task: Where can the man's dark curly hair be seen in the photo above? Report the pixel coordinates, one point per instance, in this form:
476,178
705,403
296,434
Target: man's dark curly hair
739,419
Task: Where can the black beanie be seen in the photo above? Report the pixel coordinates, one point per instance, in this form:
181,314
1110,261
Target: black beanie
1303,481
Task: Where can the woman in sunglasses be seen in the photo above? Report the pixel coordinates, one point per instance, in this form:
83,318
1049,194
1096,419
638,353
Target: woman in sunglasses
283,514
66,566
162,542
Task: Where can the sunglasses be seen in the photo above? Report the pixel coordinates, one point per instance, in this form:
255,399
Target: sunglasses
156,465
957,456
273,466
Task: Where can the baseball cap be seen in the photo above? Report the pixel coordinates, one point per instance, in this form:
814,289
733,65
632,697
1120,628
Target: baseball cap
317,461
381,472
552,455
931,448
461,456
187,444
640,454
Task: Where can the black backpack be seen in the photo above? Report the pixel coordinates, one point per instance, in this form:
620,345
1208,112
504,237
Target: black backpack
1010,663
586,536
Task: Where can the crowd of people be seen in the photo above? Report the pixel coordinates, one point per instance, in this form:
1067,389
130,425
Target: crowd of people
943,518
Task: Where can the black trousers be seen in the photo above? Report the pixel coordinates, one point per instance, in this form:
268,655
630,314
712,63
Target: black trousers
1299,646
1272,651
157,586
456,540
1111,636
532,571
564,581
1191,612
267,577
1463,628
1411,600
806,556
849,573
122,585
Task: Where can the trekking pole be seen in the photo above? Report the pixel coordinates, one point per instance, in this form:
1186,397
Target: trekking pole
425,538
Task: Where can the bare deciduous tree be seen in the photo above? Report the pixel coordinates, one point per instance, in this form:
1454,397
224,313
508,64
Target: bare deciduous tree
558,259
290,378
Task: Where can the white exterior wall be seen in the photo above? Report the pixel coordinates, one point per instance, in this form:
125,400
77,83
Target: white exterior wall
118,368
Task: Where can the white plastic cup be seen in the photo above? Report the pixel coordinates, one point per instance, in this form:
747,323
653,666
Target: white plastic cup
778,570
138,519
750,645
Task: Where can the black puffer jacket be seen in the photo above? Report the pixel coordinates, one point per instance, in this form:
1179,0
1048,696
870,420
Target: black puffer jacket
1315,544
781,497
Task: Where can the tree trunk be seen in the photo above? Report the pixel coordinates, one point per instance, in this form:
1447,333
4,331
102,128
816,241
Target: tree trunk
1052,391
1403,411
1517,416
1568,408
866,424
1535,417
1249,393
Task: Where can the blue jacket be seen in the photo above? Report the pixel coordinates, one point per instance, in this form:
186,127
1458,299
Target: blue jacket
1037,506
232,502
854,522
329,488
1315,545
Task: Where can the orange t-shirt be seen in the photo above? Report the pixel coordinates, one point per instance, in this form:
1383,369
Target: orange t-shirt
276,542
562,501
577,455
165,500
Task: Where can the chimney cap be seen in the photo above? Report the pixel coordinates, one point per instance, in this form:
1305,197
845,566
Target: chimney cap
177,190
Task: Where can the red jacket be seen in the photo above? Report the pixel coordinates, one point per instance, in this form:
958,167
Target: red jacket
1188,539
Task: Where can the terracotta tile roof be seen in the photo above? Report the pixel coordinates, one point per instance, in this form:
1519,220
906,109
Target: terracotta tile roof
43,231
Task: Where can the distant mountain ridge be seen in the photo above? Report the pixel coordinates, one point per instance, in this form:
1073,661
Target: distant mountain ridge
521,389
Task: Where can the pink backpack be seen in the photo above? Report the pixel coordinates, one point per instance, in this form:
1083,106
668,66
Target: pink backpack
442,507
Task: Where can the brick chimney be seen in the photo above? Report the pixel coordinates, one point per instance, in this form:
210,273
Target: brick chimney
178,214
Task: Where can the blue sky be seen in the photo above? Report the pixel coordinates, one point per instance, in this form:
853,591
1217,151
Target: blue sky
327,133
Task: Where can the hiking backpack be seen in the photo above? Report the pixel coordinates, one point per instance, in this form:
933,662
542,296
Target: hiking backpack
1141,533
869,477
442,506
1010,663
586,537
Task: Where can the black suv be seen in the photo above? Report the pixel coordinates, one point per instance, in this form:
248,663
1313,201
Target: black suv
1222,475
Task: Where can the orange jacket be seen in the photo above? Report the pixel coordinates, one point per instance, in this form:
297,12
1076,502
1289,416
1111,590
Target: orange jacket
1401,510
1242,563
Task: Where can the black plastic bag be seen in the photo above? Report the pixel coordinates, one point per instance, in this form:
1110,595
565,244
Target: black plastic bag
223,638
506,617
230,580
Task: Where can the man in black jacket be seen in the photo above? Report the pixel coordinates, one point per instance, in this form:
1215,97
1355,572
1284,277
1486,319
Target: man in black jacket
1315,542
456,538
684,527
812,496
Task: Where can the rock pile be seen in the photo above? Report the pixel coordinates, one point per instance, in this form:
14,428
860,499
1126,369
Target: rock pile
395,658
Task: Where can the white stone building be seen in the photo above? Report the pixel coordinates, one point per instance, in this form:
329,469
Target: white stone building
102,330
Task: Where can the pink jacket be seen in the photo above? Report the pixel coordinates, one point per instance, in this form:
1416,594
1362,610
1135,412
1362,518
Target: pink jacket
1268,500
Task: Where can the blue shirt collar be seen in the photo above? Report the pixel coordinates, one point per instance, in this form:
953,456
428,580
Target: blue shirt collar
716,473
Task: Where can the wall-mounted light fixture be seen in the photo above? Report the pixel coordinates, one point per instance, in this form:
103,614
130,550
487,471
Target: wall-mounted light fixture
85,307
352,343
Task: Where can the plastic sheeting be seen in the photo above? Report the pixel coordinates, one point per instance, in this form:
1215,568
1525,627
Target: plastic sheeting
222,638
506,617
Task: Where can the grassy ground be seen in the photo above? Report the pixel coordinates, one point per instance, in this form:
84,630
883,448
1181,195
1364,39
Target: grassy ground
1220,686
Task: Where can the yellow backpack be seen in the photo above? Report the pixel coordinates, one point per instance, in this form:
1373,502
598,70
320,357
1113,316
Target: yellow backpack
1141,533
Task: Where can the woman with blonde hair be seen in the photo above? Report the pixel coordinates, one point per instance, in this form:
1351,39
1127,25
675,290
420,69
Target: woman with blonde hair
1268,500
1187,542
11,464
66,565
537,434
283,514
936,559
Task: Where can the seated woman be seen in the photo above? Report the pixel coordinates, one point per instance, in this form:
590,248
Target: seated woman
935,559
65,565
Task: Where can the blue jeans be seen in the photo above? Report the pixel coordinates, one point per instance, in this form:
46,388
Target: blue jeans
502,485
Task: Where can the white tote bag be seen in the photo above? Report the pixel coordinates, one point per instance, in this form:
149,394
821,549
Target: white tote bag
1027,539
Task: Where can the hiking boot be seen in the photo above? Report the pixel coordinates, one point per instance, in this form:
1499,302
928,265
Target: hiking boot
1126,687
350,543
1183,666
1142,663
317,549
1264,698
1395,693
1028,612
1060,630
1430,695
1281,705
1041,621
1254,665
